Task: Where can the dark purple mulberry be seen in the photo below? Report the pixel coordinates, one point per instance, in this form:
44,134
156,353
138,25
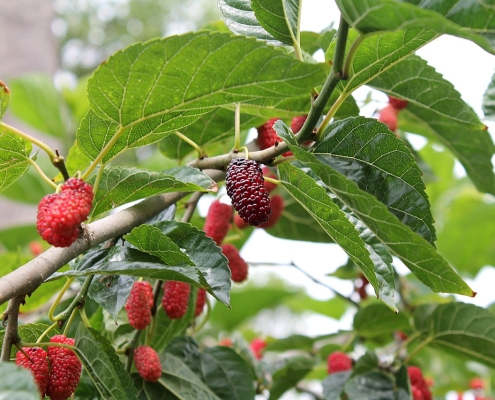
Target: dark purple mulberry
246,189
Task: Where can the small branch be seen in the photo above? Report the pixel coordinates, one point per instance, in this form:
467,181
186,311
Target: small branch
237,126
303,389
191,206
292,264
29,138
28,277
190,143
11,336
77,302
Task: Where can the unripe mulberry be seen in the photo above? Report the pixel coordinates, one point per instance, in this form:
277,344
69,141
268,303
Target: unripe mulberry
238,267
175,298
60,215
217,221
267,136
139,305
65,369
147,363
200,301
257,346
389,117
246,189
277,205
37,364
338,362
396,103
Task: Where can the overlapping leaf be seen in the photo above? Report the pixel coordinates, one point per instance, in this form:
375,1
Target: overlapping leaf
240,19
467,19
378,53
207,257
103,365
180,380
417,254
438,111
14,158
4,99
292,371
280,18
121,185
368,153
17,383
149,90
320,206
463,329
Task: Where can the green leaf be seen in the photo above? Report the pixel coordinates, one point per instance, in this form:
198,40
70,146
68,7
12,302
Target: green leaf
417,254
17,383
240,19
316,201
103,365
488,100
376,320
76,160
293,370
121,185
36,101
439,112
280,18
370,16
152,390
204,253
29,333
127,261
378,53
333,385
170,83
368,153
30,188
462,329
366,363
151,240
4,98
182,382
372,386
111,292
310,42
227,374
14,158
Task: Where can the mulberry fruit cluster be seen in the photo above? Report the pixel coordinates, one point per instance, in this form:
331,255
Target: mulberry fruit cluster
56,372
217,222
139,305
246,189
60,215
175,298
419,387
390,113
147,363
338,362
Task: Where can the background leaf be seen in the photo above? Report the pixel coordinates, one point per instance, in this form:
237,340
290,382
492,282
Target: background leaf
14,158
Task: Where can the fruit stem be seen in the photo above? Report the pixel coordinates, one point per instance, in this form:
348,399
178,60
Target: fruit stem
84,318
42,174
59,163
29,138
58,299
350,55
237,126
54,325
330,115
77,302
335,76
191,143
271,180
69,321
97,183
102,154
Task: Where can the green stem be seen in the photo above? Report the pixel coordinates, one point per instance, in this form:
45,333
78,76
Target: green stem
69,321
350,56
156,294
237,126
84,317
29,138
330,115
271,180
206,317
417,349
42,174
191,143
329,86
130,350
54,325
59,297
97,183
102,154
77,302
